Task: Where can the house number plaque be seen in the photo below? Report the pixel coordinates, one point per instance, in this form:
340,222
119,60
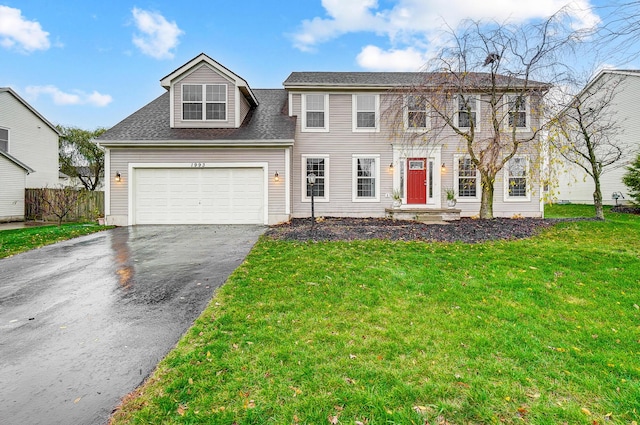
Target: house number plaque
198,165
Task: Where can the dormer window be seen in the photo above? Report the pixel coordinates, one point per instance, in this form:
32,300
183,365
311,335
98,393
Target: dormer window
210,98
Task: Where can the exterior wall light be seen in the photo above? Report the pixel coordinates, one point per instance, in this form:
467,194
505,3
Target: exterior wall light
443,168
276,177
118,177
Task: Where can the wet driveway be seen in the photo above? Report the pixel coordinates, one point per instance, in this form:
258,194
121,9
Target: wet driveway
83,322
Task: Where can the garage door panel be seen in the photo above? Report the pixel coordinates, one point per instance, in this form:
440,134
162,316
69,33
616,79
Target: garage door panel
199,196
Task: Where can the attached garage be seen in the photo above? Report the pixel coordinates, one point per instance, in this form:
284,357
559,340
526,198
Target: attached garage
222,195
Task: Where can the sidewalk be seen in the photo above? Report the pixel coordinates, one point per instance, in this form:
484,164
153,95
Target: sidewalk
22,225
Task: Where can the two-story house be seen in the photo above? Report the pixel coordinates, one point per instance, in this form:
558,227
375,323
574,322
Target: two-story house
28,153
213,150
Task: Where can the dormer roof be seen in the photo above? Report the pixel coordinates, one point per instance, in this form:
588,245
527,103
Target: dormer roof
202,58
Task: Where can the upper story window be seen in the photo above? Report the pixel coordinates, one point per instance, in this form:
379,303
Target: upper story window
315,112
516,172
204,102
417,117
466,177
518,112
365,112
467,111
4,140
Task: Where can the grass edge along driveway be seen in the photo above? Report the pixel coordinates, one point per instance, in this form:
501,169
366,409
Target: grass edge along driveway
15,241
540,331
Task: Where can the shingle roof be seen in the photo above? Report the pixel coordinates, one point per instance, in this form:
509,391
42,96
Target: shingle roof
398,79
267,121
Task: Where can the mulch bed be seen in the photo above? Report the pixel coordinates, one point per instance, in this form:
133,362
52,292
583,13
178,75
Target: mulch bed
626,209
464,230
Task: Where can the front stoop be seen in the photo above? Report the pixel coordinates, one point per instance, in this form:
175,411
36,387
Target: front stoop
424,215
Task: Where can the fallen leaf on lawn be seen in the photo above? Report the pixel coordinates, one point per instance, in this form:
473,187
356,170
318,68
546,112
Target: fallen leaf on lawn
420,409
352,356
333,419
350,381
249,404
585,411
296,391
181,409
190,381
636,306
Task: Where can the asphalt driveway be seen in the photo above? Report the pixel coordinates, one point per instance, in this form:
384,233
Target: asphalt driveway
83,322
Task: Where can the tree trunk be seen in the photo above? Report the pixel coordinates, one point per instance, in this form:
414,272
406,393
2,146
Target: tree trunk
597,198
486,201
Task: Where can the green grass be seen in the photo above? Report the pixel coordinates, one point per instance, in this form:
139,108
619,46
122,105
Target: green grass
16,241
538,331
571,210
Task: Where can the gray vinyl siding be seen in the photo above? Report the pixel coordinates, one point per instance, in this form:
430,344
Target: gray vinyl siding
121,157
12,193
204,75
31,141
340,143
244,109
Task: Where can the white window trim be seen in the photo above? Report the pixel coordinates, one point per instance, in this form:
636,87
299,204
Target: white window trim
456,169
477,111
303,164
354,107
354,177
527,99
8,138
306,129
204,102
508,198
406,117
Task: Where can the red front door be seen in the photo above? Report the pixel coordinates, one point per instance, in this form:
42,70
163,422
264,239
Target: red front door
416,181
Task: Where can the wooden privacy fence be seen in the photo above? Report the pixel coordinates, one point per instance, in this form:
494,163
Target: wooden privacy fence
40,204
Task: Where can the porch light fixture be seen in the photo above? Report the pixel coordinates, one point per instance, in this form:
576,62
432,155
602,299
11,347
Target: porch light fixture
118,177
311,179
276,177
443,168
391,166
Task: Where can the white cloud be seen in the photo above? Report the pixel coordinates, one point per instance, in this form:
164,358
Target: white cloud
77,97
414,25
376,59
157,35
17,32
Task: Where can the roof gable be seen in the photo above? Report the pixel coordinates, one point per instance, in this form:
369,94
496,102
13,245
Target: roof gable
29,107
202,58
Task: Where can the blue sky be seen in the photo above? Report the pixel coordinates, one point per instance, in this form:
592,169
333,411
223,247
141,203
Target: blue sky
92,63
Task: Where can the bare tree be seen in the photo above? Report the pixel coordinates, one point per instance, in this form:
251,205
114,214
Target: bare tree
59,201
498,72
586,132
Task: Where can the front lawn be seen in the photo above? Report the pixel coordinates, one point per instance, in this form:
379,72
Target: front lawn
15,241
538,331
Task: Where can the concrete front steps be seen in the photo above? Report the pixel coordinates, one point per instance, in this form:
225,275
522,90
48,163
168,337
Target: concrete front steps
423,215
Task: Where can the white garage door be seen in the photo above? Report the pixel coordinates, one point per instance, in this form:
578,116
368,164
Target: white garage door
199,196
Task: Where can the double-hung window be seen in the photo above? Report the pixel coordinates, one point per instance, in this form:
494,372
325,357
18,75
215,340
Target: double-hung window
466,114
315,112
417,117
204,102
467,178
366,178
518,112
365,112
515,177
319,166
4,139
